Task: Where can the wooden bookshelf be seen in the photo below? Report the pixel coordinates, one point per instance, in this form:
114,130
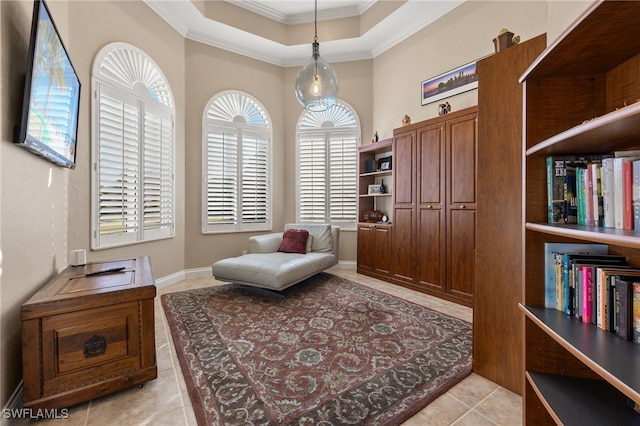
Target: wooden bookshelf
581,96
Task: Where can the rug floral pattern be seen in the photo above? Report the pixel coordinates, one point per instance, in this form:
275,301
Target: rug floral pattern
331,352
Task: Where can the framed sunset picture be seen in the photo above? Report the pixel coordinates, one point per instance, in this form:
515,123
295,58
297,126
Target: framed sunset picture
458,80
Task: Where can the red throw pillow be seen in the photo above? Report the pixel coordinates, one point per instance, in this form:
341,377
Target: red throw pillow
294,241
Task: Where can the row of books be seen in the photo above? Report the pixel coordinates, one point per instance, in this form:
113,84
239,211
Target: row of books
584,281
595,190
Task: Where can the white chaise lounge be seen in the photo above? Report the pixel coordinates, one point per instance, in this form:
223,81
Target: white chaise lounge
266,267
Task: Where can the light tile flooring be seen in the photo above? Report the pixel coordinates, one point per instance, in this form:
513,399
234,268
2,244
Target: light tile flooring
474,401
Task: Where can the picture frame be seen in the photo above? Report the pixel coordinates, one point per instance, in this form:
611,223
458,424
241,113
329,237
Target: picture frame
385,164
450,83
374,189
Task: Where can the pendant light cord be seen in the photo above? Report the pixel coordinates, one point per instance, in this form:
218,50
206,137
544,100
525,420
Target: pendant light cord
315,20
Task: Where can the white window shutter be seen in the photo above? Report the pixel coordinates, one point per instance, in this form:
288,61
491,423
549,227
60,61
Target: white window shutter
118,176
222,177
133,149
312,178
327,166
237,165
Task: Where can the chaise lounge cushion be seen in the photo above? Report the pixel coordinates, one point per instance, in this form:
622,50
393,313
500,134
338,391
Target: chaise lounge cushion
275,271
266,267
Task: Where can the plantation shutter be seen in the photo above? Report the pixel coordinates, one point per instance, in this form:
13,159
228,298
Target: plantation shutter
133,149
158,173
222,177
312,179
255,178
327,166
236,169
118,174
342,177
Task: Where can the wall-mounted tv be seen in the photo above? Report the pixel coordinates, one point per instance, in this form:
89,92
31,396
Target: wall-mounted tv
49,121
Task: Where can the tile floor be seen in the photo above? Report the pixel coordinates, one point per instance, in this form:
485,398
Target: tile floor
474,401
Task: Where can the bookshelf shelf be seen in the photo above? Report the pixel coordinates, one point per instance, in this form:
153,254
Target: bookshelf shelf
594,347
374,174
613,131
595,399
581,96
375,195
618,237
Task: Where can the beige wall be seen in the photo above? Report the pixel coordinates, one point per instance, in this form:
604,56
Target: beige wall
210,71
44,210
34,199
138,25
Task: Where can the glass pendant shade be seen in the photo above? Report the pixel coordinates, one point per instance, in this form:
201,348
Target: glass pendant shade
317,83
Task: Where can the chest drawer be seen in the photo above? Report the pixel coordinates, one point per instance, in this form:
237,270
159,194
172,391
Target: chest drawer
89,345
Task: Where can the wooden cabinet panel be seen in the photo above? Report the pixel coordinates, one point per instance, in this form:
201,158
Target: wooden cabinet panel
374,249
365,248
403,251
382,250
461,249
404,158
431,261
430,178
497,321
461,138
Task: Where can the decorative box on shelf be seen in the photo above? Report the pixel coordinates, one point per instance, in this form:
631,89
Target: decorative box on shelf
88,332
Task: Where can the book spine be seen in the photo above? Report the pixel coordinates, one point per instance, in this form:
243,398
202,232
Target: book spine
590,206
636,194
627,195
565,282
559,283
587,294
555,189
636,312
571,196
607,192
596,194
579,195
624,309
617,193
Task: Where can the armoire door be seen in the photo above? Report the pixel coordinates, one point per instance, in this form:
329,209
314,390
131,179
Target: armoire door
404,238
461,205
431,220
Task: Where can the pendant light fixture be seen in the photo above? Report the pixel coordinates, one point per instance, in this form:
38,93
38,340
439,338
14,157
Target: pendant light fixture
316,83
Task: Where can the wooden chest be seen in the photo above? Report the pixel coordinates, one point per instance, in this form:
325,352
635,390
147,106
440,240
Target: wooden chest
88,333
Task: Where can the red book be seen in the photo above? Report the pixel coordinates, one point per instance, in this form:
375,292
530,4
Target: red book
587,294
627,195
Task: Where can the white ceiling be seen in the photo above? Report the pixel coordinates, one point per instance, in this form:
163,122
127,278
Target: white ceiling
407,19
301,11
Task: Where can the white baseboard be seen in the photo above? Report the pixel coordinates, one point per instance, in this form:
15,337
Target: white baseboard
346,264
181,275
13,404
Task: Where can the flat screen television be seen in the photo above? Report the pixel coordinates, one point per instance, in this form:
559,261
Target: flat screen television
49,120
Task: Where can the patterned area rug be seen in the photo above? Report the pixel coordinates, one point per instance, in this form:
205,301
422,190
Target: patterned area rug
331,352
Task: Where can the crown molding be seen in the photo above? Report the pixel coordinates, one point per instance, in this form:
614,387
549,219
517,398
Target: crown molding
405,21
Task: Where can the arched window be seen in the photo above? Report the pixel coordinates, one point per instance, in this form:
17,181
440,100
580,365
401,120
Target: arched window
133,141
327,154
236,153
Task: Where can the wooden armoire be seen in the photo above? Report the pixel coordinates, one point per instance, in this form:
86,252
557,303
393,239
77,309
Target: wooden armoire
434,206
